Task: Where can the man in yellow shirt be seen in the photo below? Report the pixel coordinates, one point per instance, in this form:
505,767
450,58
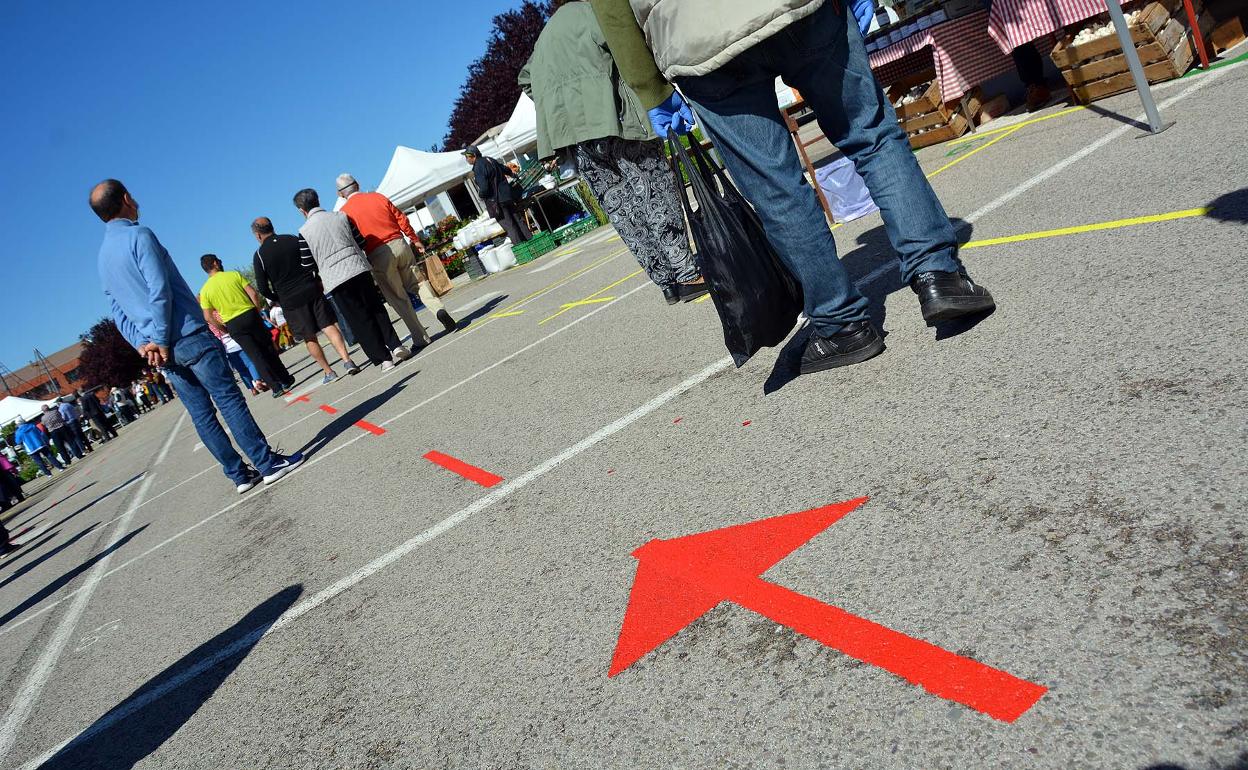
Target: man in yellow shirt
238,305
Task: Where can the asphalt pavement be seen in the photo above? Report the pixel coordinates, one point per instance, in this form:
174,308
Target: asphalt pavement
1048,571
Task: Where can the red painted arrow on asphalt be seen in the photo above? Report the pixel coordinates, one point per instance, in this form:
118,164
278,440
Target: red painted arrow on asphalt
681,579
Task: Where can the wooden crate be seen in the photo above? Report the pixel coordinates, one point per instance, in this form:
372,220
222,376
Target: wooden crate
957,126
917,114
1227,35
1097,69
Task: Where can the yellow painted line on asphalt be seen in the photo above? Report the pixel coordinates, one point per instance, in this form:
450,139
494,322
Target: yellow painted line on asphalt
980,134
476,326
703,298
507,315
1008,132
615,237
569,306
1110,225
587,302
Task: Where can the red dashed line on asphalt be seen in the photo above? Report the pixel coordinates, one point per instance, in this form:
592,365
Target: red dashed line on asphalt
470,472
376,430
303,398
327,409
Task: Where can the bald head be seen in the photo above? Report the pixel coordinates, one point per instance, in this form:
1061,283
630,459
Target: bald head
346,184
110,200
261,227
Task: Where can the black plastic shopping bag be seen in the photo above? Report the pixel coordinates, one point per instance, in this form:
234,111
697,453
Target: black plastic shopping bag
757,298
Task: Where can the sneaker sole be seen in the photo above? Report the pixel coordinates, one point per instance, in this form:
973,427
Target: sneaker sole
245,488
283,472
692,297
955,307
849,359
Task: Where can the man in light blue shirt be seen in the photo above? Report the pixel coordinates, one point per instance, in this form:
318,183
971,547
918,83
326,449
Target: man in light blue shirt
158,314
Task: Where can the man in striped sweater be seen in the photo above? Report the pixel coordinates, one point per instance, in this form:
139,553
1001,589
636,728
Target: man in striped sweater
286,273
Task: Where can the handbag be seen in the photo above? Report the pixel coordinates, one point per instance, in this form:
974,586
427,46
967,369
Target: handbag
435,271
757,298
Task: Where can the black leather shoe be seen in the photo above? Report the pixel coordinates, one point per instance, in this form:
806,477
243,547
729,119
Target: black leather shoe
943,296
671,294
448,323
691,291
851,345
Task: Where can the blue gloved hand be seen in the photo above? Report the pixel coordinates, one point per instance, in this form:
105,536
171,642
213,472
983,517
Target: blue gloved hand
673,113
864,11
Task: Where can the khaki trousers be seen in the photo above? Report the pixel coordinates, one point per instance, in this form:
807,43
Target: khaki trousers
397,272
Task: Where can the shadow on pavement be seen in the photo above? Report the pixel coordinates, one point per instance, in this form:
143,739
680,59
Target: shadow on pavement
874,268
35,563
60,582
1232,207
1099,110
97,500
467,320
135,728
344,420
30,496
1241,763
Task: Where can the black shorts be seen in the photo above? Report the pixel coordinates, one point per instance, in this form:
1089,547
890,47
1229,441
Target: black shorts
306,320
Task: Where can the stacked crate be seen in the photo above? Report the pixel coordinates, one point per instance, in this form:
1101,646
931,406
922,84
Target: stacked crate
924,117
1098,68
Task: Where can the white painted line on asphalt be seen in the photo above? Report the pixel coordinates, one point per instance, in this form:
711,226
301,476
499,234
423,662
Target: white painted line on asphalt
1062,165
385,560
320,456
38,675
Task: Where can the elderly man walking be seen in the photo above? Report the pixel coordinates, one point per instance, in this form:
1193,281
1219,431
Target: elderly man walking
286,273
157,313
68,407
238,306
337,247
395,268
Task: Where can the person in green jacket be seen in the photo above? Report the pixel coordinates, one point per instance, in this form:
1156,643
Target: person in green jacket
583,104
725,56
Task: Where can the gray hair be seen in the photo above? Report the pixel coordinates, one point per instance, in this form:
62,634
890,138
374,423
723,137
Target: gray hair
344,181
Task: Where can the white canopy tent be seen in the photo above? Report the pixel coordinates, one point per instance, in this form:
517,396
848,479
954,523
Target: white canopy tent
12,407
415,175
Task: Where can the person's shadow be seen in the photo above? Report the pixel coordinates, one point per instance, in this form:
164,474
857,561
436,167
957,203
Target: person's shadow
1232,207
135,728
874,269
344,420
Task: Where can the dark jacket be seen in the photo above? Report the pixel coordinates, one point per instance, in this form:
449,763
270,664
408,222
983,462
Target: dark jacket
490,177
90,406
282,274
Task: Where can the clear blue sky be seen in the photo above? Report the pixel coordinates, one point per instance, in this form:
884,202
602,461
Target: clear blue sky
212,114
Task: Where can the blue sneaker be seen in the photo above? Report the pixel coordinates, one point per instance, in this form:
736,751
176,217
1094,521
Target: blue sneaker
329,378
281,466
253,478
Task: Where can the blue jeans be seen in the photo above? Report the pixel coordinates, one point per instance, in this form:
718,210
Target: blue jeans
201,375
42,457
245,368
822,56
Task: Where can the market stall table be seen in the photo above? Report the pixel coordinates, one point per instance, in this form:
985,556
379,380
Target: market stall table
1012,23
960,51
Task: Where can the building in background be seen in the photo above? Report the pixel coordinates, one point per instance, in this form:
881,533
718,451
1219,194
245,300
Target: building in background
47,376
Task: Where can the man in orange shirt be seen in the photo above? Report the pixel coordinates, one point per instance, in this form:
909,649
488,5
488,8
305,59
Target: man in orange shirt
395,268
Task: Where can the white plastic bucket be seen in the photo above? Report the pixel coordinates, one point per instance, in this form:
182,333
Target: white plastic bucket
505,255
489,259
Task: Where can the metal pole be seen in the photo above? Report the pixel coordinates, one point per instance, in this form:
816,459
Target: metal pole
1133,63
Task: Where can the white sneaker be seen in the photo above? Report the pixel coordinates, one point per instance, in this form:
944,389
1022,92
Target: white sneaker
401,353
387,366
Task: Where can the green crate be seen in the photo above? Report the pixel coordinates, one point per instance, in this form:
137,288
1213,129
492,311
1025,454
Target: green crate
575,230
533,248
